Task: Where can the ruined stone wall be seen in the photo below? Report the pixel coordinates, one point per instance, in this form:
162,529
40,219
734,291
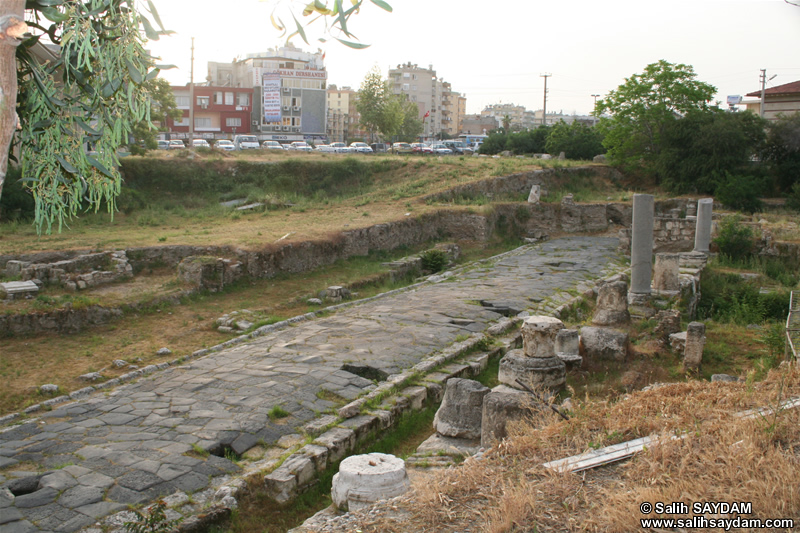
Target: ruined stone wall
669,235
516,183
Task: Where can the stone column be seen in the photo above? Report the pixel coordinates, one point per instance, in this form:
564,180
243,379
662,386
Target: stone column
695,340
365,479
665,274
642,243
536,364
535,194
568,347
612,305
702,233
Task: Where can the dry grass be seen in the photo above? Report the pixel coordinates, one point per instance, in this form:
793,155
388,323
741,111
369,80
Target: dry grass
394,193
721,458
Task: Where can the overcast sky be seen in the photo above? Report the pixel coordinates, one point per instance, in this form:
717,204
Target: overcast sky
494,52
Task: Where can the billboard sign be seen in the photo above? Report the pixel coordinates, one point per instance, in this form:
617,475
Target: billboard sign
271,94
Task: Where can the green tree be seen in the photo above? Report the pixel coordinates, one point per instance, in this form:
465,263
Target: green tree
507,123
412,126
699,150
495,142
91,92
576,140
373,96
643,106
529,142
162,107
782,150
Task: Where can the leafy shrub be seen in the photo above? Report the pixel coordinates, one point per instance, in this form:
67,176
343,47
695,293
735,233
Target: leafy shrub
433,260
735,240
529,142
494,143
576,140
15,203
741,192
793,199
727,297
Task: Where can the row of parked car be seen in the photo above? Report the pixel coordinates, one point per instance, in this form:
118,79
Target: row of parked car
250,142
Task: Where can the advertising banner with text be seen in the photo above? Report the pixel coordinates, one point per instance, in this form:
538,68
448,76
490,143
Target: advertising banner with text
271,89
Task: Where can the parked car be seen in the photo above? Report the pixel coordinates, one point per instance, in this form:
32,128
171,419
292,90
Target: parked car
200,143
420,148
163,145
246,142
271,145
458,147
379,148
441,149
225,144
362,148
299,146
176,144
340,148
401,148
325,148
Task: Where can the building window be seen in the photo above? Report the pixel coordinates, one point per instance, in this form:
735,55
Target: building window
182,101
202,101
414,77
202,122
405,86
406,75
217,98
233,122
244,99
183,121
228,98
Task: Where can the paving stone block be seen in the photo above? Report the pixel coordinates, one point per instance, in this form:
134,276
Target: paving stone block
138,480
416,396
339,441
317,454
36,499
98,509
361,425
80,496
281,485
58,480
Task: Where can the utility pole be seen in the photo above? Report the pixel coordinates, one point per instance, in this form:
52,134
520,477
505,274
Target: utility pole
544,111
594,109
764,81
191,97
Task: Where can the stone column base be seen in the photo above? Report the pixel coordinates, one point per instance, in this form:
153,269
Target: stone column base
547,372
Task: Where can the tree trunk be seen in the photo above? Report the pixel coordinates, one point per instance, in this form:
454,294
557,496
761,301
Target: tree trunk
12,29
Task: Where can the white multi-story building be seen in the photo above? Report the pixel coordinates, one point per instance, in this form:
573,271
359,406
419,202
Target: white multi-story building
439,107
289,91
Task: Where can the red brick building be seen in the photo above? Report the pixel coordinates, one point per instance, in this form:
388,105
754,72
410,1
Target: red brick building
219,112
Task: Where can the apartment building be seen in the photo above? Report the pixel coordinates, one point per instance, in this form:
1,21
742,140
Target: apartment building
439,106
219,112
289,92
343,117
521,118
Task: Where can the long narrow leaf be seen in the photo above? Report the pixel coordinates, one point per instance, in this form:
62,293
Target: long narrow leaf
154,12
383,5
350,44
66,164
300,29
136,75
99,166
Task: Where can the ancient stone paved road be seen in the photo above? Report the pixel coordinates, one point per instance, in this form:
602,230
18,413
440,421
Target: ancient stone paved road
131,445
